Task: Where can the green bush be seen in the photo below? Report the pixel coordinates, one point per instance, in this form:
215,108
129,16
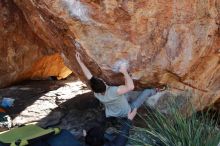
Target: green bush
176,130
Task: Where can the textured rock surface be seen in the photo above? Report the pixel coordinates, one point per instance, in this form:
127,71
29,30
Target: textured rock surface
23,54
170,42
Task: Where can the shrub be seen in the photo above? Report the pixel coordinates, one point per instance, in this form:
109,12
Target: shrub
176,130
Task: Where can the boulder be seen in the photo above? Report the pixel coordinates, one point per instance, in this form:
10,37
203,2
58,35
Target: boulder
173,43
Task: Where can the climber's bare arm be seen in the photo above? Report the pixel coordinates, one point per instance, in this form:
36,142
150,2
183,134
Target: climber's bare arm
85,70
129,84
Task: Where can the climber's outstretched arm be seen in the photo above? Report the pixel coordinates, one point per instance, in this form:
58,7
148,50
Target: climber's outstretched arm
85,70
129,84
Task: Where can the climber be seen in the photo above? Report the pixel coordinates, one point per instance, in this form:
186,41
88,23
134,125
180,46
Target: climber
117,103
97,137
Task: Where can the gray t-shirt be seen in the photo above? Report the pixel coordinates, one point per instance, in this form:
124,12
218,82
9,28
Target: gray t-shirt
115,105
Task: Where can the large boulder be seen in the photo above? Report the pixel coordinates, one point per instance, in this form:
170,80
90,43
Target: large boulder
174,43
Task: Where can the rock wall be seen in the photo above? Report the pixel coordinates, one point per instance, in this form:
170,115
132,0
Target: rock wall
24,55
167,42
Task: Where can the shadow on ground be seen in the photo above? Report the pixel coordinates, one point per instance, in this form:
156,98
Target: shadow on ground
26,93
67,104
81,112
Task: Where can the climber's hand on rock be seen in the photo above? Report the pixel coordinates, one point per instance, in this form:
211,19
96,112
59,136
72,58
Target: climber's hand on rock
78,56
132,114
123,68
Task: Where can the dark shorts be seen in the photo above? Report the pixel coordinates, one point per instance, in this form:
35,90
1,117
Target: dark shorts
65,138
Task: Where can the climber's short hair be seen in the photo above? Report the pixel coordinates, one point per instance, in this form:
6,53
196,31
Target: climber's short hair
97,85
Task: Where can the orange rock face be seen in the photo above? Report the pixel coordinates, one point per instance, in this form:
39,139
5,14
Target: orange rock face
24,55
170,42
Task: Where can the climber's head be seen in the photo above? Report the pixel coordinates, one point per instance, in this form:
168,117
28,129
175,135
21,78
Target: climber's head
95,136
97,85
